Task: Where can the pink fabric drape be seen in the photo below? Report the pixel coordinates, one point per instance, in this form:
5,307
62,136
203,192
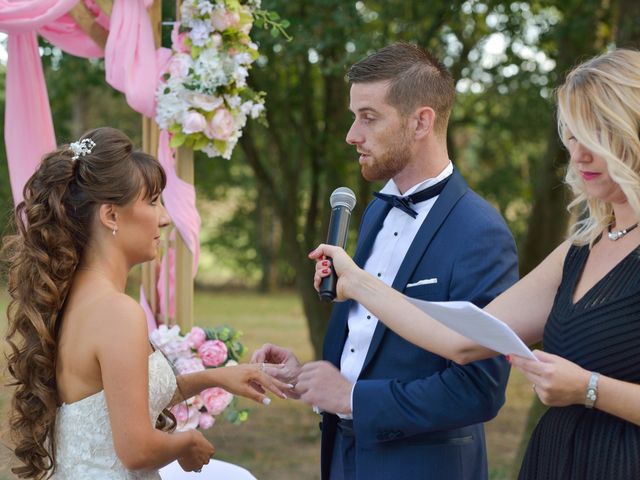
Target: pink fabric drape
167,277
28,124
180,200
67,35
130,55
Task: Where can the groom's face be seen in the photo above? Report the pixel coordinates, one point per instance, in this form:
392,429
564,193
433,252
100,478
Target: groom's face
379,132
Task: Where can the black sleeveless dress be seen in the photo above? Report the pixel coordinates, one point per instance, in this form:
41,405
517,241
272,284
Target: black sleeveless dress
601,333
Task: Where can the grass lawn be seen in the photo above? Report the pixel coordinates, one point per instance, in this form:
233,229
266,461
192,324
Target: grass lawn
282,441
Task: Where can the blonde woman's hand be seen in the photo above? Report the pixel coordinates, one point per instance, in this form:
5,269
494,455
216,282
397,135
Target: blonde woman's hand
557,381
345,268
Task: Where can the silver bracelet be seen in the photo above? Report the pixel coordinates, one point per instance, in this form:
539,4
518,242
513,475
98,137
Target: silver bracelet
592,390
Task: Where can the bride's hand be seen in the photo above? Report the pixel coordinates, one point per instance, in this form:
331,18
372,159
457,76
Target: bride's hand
199,453
250,381
344,266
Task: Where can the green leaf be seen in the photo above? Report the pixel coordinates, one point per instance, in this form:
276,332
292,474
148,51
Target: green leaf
201,142
177,140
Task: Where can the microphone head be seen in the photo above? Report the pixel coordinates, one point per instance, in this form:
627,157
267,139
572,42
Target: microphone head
344,197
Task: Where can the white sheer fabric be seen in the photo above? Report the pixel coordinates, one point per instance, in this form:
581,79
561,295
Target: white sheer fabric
84,441
214,470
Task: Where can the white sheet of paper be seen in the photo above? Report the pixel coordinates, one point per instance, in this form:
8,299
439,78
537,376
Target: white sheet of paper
476,324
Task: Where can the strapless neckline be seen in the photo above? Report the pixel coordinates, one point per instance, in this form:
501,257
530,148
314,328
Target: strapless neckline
101,391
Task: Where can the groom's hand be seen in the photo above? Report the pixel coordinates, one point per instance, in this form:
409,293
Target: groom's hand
321,384
288,364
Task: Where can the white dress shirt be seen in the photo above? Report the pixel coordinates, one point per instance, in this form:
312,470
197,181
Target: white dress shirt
388,252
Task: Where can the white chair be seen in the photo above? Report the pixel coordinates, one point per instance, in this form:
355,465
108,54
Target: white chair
214,470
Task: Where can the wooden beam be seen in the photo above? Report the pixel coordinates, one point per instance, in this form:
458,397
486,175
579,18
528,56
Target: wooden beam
87,22
106,6
184,257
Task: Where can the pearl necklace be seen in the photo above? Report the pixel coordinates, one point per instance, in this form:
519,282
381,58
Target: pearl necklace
618,234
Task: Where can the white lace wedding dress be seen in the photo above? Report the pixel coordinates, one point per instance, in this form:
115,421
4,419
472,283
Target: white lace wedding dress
84,442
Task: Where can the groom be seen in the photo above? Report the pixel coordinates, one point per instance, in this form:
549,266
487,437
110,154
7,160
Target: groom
390,409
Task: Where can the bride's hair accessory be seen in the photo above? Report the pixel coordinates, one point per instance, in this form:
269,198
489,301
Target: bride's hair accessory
82,148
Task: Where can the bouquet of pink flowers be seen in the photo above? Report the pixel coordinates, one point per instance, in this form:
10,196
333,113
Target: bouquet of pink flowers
199,349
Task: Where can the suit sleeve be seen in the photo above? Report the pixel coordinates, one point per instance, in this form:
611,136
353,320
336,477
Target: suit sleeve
455,396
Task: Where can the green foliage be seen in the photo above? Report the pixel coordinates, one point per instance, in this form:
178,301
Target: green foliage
81,99
6,199
230,337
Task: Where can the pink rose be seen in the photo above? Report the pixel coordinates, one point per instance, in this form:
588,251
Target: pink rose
213,353
206,421
187,417
216,400
197,402
176,349
208,103
179,65
222,19
178,39
196,337
181,412
221,126
194,122
189,365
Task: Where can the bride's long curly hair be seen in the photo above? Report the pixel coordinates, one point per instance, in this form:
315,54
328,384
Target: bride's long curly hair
53,227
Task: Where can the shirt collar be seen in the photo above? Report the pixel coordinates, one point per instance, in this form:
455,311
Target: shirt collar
392,189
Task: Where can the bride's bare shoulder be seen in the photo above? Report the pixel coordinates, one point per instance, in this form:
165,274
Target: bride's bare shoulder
115,313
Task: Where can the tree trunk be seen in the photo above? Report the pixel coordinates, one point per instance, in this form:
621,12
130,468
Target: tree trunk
627,30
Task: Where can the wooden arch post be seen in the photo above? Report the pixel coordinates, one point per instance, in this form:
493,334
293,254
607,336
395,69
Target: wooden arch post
184,166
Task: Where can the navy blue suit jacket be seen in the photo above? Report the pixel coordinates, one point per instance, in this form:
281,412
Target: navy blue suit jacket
417,415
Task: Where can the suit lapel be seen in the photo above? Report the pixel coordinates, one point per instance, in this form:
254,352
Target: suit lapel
337,330
453,191
367,236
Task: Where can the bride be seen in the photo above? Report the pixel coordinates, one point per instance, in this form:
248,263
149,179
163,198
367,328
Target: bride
91,394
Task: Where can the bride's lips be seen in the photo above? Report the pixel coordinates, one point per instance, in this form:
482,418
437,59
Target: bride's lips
589,175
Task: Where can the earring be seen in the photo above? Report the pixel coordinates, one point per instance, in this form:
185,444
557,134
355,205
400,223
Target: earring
114,231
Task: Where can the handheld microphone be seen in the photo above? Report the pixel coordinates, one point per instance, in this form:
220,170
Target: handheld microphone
342,201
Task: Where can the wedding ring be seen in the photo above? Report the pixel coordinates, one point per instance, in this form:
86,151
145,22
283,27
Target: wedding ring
262,366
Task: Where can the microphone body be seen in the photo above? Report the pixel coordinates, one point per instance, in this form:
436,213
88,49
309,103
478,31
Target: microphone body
342,202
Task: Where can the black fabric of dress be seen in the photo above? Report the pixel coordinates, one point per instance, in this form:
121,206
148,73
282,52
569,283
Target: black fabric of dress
601,333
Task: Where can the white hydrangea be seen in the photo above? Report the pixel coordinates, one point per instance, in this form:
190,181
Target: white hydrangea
205,7
200,32
218,66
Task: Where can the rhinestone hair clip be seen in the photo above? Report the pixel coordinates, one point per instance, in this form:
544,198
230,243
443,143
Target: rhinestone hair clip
82,148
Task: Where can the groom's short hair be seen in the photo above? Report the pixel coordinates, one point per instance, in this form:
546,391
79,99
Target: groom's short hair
416,79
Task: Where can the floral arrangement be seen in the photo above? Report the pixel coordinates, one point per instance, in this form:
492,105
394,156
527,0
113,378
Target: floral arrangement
202,348
204,100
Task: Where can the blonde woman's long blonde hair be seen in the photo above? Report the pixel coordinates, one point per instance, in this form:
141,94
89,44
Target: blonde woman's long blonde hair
599,105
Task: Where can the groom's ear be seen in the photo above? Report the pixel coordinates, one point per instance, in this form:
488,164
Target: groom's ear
108,217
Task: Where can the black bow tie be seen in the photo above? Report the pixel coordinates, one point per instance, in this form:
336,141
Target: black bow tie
404,203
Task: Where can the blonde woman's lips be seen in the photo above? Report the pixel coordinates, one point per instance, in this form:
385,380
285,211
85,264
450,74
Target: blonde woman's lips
589,175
